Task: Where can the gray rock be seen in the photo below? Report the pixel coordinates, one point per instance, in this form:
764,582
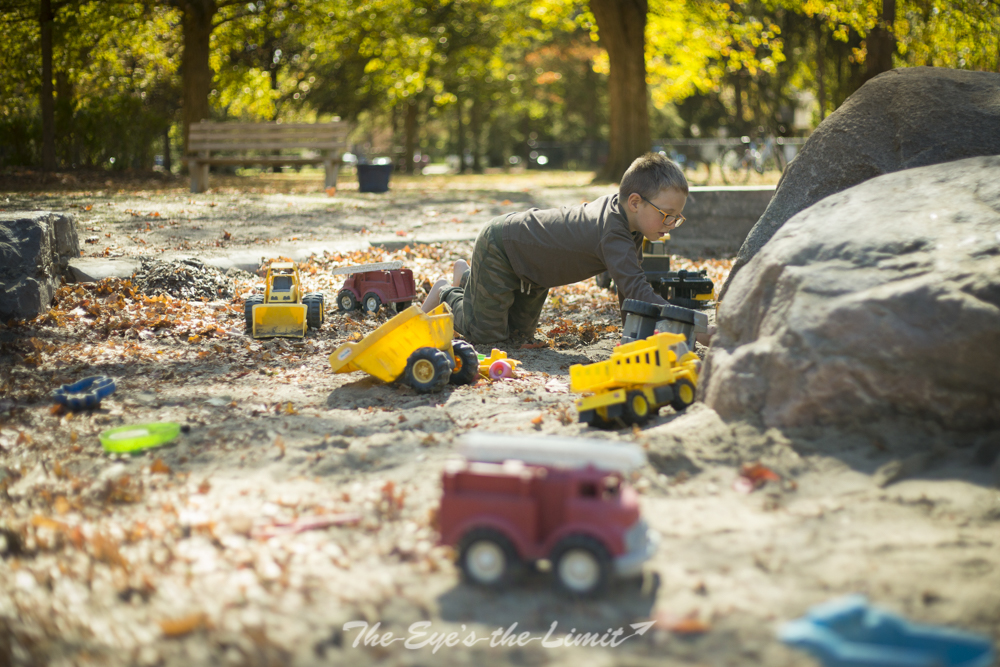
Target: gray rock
877,306
909,117
34,250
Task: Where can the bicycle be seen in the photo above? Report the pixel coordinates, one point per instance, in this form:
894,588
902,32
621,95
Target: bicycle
737,162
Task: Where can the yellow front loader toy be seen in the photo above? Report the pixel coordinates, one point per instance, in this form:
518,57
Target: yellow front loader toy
416,346
636,381
283,310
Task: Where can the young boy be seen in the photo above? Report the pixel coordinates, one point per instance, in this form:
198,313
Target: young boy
518,257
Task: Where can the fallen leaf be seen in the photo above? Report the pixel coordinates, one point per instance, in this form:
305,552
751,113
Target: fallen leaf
688,625
178,627
158,467
753,476
303,524
331,191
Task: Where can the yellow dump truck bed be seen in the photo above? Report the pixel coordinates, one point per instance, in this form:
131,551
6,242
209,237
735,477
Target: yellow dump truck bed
647,361
384,352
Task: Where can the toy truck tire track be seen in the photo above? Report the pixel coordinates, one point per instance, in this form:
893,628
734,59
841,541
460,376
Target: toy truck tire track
248,309
466,363
428,369
370,303
487,558
683,395
346,301
582,566
314,309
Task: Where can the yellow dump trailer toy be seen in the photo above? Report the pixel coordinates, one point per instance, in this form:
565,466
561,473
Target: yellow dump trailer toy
283,310
636,381
415,346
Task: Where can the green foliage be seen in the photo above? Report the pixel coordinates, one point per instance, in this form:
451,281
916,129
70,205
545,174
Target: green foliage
485,76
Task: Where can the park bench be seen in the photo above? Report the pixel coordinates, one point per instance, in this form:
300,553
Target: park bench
245,144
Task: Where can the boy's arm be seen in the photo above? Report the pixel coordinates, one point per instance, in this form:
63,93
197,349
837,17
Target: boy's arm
622,260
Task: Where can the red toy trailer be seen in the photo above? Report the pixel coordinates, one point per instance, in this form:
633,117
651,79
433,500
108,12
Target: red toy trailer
373,285
518,500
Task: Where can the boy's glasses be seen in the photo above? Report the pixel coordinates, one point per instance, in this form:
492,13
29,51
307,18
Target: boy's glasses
668,218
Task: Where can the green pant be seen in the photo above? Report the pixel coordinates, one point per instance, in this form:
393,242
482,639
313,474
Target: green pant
493,303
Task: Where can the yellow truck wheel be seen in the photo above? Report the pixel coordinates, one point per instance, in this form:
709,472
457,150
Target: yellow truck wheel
683,395
314,309
428,369
251,301
466,369
637,408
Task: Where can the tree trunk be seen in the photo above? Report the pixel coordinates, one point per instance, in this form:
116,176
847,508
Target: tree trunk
621,25
196,73
410,129
820,67
65,138
881,42
738,101
45,20
476,126
167,164
460,128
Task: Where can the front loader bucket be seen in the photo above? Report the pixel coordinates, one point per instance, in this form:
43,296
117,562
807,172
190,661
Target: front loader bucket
284,320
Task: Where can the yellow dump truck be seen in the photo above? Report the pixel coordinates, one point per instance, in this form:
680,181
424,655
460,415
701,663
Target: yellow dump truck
636,381
283,310
415,346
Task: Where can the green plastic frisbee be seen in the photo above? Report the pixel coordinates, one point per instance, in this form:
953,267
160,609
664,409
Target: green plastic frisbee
136,437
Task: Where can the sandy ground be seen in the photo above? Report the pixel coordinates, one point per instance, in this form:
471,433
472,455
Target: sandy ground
184,555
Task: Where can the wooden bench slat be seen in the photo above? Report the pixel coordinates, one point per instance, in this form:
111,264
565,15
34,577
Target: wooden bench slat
264,146
228,125
262,159
298,136
274,129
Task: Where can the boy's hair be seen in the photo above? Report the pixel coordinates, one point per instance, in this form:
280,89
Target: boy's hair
649,174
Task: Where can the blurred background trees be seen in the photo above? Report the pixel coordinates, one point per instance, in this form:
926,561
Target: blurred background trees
113,84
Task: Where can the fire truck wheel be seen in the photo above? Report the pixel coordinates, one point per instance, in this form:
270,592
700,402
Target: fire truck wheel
314,309
346,301
488,558
248,309
466,369
428,369
371,303
637,408
582,565
683,395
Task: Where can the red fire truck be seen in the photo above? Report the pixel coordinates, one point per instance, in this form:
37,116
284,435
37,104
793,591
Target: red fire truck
517,500
373,285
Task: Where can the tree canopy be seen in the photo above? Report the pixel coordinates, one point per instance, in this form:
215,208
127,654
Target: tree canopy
113,83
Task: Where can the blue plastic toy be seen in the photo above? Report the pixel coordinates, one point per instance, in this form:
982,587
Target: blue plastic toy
85,394
846,632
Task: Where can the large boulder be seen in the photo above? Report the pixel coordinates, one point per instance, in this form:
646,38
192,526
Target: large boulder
906,118
876,309
35,248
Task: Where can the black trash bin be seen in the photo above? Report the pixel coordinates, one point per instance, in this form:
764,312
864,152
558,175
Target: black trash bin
374,177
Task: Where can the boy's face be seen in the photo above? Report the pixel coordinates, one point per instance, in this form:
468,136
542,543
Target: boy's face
647,216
